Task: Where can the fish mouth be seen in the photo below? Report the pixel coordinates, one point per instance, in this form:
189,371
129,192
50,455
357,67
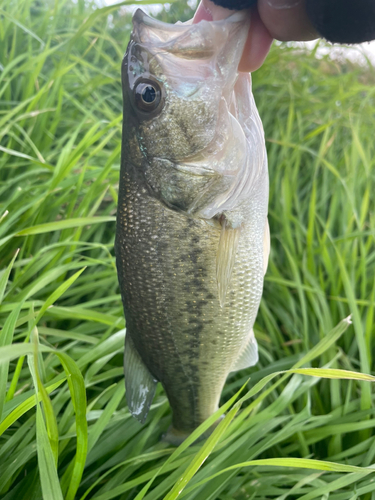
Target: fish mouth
189,41
140,17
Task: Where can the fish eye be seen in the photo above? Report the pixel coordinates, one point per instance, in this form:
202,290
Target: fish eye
147,95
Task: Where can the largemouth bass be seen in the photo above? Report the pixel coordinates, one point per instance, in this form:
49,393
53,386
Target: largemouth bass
192,239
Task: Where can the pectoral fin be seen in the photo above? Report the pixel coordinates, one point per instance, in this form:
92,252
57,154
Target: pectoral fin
249,354
139,383
225,259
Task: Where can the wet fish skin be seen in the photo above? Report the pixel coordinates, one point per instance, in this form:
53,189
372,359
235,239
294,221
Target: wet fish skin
191,242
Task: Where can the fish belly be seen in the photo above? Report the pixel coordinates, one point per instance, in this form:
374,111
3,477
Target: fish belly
167,270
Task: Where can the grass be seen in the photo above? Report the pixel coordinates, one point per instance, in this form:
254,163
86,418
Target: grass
303,426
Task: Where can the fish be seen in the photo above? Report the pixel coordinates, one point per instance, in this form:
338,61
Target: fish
192,236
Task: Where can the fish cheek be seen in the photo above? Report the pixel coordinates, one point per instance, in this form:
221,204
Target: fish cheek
184,128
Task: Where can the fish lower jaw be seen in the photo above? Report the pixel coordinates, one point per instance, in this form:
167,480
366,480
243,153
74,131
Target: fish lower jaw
175,436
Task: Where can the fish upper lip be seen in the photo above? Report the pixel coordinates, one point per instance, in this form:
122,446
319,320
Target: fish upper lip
141,17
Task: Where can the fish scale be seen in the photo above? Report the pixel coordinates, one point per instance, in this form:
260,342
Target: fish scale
182,330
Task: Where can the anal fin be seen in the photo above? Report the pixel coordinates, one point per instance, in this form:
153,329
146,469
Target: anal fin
248,355
139,383
226,257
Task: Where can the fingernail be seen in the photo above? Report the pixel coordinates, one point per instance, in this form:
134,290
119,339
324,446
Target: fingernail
208,11
202,14
283,4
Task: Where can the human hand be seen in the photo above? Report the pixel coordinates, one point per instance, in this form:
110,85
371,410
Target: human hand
343,21
280,19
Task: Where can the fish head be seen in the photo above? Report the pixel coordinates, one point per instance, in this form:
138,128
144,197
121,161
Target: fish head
190,125
174,77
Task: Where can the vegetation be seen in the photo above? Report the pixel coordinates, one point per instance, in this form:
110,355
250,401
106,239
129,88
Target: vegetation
307,432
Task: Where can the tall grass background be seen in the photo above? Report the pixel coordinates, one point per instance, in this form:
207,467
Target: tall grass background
303,425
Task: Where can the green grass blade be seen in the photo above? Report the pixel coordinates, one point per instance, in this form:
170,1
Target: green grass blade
5,276
64,224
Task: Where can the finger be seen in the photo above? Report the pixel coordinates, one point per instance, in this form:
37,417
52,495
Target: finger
258,42
257,45
286,20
